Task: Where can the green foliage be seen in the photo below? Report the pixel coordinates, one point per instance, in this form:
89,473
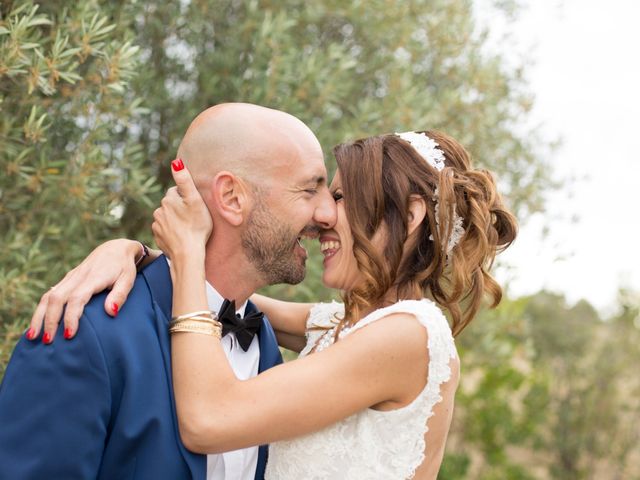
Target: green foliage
81,160
72,90
548,391
594,421
500,394
67,164
455,465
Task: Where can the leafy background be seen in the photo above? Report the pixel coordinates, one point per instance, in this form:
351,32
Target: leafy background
96,95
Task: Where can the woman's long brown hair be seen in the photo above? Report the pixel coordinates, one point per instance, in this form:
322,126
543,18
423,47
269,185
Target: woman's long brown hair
379,176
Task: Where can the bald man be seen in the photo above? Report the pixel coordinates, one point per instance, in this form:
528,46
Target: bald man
94,399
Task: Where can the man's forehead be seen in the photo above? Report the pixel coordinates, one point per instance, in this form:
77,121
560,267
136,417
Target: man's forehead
310,168
317,179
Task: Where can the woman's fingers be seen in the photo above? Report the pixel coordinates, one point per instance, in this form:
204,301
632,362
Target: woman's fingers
112,264
50,307
56,299
112,305
157,229
183,218
120,291
184,181
72,313
38,318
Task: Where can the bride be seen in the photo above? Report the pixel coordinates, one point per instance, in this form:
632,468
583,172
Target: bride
371,395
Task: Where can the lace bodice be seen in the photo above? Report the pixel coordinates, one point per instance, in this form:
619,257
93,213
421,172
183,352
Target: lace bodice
370,444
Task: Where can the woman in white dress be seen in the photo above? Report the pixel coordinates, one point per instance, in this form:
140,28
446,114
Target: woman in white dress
371,396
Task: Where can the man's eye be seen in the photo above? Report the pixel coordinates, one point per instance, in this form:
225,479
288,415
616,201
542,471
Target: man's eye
311,191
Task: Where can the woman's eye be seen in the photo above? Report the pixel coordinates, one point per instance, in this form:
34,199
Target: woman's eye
337,196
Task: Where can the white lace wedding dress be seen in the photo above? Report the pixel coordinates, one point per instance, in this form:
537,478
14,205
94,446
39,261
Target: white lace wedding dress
371,444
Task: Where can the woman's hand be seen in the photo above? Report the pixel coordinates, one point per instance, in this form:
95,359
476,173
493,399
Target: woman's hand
111,265
182,225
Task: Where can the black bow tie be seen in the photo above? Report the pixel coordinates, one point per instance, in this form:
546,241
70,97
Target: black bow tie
244,327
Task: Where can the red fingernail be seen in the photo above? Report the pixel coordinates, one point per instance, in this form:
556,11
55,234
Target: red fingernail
115,308
177,164
67,333
30,334
46,338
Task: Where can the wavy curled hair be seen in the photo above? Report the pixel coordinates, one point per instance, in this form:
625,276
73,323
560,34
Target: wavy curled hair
379,176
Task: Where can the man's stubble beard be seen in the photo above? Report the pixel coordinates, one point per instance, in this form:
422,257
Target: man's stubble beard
269,245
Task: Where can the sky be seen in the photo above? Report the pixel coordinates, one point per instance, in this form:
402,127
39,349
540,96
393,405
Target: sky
585,76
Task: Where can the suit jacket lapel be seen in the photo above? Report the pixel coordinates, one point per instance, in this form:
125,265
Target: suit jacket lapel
269,357
269,351
158,279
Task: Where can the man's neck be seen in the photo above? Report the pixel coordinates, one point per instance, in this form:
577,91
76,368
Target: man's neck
230,273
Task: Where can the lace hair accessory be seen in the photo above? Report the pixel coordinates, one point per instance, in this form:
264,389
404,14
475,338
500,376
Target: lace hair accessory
428,149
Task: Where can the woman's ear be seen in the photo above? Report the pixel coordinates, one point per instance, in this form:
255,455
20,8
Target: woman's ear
230,197
416,213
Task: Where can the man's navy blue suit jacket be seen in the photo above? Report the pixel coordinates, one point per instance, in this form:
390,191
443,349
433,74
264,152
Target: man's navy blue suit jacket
101,405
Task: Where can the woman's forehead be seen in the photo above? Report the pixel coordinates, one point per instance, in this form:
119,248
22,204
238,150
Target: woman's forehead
336,181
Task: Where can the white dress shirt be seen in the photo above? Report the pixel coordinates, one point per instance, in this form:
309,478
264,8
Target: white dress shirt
237,464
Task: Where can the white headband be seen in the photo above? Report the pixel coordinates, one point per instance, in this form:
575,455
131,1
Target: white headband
428,149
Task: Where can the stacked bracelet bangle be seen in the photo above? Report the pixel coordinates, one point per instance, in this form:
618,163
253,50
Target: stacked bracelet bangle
204,322
143,255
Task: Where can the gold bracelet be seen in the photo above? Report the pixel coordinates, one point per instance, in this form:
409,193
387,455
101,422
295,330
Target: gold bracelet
208,313
203,321
195,318
189,326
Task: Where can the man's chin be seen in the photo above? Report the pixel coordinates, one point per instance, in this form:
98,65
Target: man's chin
297,277
290,274
297,274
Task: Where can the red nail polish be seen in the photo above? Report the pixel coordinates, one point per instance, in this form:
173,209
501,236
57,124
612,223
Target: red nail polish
177,164
115,308
30,334
46,338
67,333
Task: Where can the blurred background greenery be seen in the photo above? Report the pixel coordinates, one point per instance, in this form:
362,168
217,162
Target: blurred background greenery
96,95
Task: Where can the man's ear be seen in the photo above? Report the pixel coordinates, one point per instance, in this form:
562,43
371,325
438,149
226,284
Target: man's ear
417,211
230,197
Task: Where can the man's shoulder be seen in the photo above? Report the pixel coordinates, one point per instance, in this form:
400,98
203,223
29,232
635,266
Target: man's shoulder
130,338
137,312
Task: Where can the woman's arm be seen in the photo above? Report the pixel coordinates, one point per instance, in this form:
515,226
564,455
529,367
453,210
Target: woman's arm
217,412
111,265
288,319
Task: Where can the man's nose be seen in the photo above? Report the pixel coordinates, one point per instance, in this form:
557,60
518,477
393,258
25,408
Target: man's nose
325,214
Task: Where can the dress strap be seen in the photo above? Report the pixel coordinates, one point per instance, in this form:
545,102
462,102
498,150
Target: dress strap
440,340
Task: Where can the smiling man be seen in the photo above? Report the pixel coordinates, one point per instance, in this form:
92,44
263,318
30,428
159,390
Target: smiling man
262,175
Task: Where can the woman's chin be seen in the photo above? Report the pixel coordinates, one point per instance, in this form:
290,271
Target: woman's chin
330,281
